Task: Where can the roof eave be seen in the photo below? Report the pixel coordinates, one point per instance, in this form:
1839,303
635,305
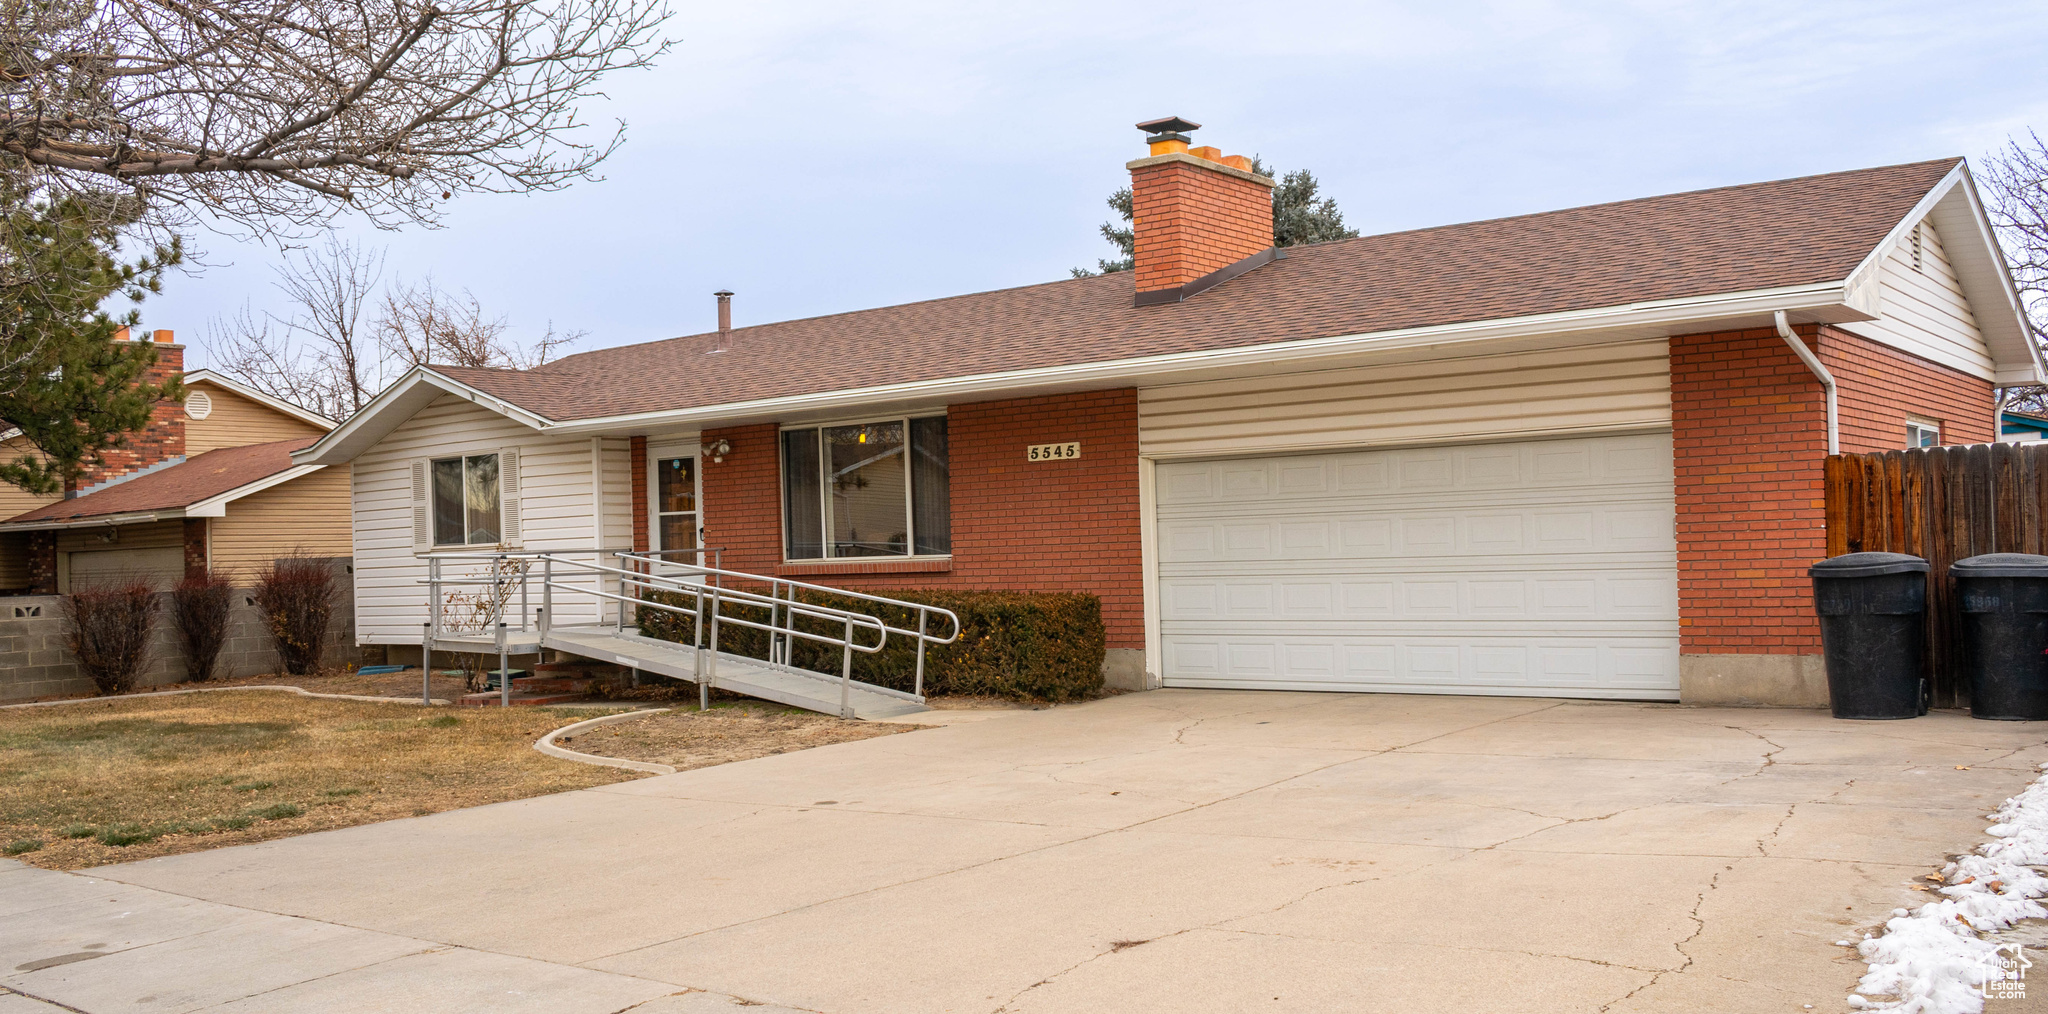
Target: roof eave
1966,231
268,401
214,506
1827,302
397,403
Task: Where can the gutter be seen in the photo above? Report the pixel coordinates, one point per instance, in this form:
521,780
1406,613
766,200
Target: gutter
1815,298
1827,380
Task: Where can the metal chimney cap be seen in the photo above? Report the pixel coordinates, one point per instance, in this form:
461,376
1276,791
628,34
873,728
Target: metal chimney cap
723,293
1169,125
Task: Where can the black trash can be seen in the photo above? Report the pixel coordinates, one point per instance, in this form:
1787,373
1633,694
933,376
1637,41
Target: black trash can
1873,629
2003,598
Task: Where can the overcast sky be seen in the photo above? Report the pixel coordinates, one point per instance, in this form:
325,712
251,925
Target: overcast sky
825,157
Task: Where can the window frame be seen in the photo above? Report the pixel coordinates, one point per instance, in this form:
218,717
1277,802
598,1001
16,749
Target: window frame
824,491
1915,423
434,544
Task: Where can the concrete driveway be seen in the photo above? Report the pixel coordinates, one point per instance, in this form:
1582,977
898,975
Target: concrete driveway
1167,851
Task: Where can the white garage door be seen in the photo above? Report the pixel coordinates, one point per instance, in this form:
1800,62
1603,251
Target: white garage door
1543,568
162,567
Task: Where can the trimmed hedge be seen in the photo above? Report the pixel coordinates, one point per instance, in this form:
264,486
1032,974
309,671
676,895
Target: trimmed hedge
1044,646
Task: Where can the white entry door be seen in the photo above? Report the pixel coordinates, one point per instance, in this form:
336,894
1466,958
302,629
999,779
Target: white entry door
675,515
1541,568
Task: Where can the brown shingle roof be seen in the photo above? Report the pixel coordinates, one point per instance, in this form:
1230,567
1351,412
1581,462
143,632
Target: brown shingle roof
1765,235
180,485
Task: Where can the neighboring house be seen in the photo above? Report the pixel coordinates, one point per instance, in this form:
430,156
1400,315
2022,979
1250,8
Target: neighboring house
2022,427
208,485
1562,454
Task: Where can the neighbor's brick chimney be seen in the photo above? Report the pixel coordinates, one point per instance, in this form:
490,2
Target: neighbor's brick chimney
163,439
1195,211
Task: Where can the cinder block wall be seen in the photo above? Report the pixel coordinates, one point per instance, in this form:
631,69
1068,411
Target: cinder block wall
36,661
1749,434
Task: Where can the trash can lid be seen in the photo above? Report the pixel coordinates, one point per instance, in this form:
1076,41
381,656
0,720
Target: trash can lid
1869,565
2001,565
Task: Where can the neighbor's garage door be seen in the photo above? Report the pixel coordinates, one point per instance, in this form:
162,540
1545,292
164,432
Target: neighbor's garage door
161,567
1543,568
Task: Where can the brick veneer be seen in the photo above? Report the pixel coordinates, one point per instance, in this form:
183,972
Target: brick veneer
42,563
195,547
1749,433
162,439
639,453
1068,525
1191,217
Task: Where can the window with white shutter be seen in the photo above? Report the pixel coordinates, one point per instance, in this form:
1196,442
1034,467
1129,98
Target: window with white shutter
422,508
472,500
508,495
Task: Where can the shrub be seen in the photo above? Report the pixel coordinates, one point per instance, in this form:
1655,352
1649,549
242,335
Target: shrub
110,633
296,595
200,605
1044,646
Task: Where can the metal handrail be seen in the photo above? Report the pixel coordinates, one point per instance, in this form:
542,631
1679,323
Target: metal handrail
780,626
777,584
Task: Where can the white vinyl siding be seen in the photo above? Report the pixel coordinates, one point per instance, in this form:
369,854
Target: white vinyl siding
1545,568
554,508
1923,311
1578,390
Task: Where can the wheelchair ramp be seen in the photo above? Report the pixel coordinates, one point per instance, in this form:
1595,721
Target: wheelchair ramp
797,688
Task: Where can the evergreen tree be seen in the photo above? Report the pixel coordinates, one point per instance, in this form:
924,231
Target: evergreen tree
1299,216
71,390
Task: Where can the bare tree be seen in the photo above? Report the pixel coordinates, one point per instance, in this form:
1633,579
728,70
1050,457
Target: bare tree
263,118
341,340
262,112
2015,178
426,324
320,355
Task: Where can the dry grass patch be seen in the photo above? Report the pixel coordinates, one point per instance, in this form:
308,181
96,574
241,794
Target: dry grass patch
124,779
730,731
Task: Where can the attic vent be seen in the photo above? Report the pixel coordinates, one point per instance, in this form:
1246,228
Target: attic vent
1917,261
198,404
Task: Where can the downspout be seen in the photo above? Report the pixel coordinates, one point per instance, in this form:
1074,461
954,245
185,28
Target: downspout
1827,381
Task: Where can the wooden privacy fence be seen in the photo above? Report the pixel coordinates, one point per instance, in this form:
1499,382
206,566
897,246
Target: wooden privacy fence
1942,504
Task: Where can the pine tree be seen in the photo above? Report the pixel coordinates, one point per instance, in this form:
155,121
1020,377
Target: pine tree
1299,216
70,389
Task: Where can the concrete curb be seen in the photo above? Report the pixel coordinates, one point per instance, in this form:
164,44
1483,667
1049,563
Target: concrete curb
301,691
546,744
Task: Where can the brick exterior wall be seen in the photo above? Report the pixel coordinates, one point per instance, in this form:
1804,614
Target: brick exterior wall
195,548
162,439
1190,221
1877,387
1749,433
1017,526
639,453
42,563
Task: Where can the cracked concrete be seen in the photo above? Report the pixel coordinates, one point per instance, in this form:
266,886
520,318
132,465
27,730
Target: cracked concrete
1166,851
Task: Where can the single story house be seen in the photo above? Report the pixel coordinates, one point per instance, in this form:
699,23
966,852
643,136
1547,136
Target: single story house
1576,453
208,485
2022,427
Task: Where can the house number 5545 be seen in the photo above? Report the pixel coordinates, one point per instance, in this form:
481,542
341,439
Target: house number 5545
1053,452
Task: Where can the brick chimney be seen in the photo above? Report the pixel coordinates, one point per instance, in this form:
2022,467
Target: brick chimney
162,441
1200,217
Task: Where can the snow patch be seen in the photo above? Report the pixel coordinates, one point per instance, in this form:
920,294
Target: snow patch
1933,960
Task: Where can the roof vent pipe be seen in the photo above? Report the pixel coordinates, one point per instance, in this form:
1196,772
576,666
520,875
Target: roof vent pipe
1827,380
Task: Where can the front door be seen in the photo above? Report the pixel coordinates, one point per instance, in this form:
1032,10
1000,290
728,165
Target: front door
675,520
